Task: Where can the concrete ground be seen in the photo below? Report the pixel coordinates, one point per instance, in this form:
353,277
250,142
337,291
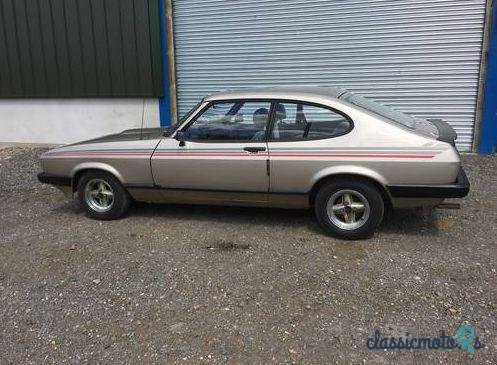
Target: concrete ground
188,284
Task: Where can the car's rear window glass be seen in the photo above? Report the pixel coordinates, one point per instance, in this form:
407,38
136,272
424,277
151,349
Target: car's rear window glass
405,120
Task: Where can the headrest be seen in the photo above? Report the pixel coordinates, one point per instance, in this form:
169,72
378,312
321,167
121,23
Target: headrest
280,111
261,111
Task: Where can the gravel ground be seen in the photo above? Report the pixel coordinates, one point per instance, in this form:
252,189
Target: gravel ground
187,284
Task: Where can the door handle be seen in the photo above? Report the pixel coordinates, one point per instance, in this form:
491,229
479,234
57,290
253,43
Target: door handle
254,149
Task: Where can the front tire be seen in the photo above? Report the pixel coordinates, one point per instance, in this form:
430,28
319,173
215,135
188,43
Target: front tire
102,195
349,209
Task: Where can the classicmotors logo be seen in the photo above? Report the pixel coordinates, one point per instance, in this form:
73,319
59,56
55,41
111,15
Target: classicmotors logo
464,339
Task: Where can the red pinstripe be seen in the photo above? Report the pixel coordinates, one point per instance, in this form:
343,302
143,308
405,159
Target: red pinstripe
162,154
99,154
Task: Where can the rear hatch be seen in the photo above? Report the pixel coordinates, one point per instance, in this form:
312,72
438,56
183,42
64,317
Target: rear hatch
433,128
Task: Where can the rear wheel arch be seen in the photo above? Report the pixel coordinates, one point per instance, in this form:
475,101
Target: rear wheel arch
355,177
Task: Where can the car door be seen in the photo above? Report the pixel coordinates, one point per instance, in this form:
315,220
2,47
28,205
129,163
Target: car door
222,150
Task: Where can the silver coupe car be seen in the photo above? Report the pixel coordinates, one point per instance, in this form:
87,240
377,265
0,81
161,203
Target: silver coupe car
346,157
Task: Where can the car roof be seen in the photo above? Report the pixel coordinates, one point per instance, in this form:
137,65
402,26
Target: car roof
279,92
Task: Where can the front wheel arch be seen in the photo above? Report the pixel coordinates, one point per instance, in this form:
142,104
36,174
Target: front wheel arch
80,172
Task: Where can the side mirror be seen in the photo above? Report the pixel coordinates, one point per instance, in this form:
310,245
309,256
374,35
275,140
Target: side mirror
180,137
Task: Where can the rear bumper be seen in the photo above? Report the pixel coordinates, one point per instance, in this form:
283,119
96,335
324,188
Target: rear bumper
54,179
457,190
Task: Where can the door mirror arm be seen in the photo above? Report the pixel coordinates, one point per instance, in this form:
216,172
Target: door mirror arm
180,137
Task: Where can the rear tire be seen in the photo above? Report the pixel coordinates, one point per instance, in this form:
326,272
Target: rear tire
102,195
349,209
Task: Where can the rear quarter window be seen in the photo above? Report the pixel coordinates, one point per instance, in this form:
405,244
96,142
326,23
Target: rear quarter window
294,121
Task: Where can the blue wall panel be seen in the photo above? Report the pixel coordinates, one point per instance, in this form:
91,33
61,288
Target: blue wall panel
164,101
488,139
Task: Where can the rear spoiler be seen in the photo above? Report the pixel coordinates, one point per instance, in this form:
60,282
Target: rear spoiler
445,132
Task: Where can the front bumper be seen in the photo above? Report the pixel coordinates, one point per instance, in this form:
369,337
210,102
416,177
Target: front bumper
457,190
54,179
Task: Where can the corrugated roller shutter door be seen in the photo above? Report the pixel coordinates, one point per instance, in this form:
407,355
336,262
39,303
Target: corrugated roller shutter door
419,56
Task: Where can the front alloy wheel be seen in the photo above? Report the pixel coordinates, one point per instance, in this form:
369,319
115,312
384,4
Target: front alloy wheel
99,195
102,195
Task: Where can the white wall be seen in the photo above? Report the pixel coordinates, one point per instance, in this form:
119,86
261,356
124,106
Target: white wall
71,120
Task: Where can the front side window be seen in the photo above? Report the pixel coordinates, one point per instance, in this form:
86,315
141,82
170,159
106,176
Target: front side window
295,121
231,121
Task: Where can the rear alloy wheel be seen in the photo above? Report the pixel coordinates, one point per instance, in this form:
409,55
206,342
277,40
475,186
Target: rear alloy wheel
349,209
102,195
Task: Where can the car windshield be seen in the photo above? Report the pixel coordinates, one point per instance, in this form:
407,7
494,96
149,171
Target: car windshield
412,123
168,131
189,113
